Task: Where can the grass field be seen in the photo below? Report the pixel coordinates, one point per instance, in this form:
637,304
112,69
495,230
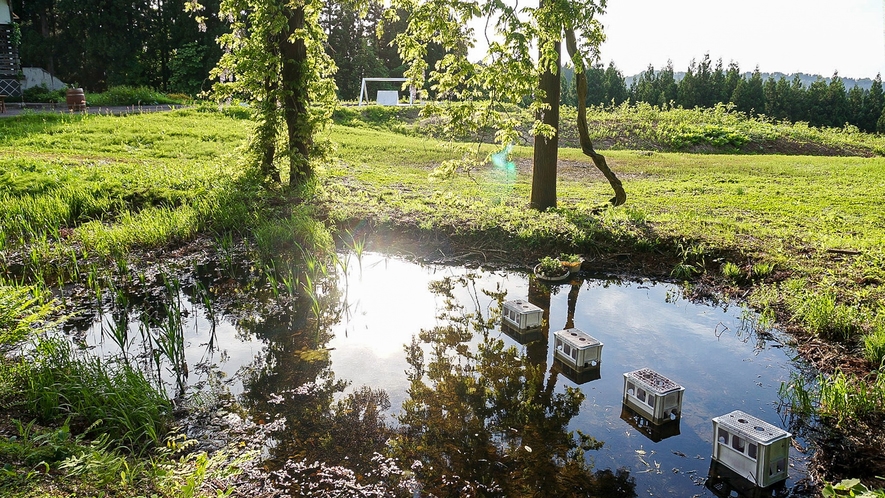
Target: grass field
801,237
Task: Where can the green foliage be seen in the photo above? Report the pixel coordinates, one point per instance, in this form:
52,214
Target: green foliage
58,383
129,96
43,94
874,343
821,314
850,488
23,312
762,270
187,68
732,272
300,231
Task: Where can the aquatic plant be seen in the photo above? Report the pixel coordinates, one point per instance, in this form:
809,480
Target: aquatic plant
58,382
732,272
24,311
841,397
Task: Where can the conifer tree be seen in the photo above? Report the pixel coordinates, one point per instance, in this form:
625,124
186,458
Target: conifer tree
874,104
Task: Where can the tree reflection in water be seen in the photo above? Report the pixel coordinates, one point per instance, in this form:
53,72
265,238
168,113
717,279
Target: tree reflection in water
294,381
481,420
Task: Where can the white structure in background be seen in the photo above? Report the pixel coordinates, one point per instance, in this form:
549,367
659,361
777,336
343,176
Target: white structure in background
577,349
522,314
385,97
37,76
652,395
754,449
10,66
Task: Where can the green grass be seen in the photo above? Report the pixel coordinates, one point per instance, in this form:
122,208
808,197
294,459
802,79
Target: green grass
58,383
81,195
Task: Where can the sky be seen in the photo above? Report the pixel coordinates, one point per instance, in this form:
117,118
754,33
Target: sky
787,36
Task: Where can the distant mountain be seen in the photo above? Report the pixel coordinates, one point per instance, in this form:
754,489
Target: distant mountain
806,79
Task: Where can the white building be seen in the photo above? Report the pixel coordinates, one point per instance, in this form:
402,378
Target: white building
10,66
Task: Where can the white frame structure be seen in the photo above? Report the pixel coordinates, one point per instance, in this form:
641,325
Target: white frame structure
365,94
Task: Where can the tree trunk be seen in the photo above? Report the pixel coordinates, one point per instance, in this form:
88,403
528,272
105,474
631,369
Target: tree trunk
295,100
547,149
586,145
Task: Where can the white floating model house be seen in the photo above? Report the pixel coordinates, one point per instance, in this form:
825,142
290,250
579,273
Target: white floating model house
755,450
577,349
652,395
522,314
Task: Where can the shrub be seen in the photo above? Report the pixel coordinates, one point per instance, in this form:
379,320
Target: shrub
42,94
130,95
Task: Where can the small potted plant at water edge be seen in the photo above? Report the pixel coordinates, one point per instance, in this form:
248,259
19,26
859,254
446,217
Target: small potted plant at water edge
551,269
571,261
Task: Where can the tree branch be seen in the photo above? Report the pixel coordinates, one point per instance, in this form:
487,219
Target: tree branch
586,145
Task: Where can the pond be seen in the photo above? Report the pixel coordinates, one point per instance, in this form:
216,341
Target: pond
388,354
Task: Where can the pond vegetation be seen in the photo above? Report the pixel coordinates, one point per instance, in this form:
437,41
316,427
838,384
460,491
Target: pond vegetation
113,213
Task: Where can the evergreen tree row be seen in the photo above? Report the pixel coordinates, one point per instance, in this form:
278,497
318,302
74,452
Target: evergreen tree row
96,45
157,44
704,84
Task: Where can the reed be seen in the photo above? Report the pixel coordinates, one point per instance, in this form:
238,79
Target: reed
59,382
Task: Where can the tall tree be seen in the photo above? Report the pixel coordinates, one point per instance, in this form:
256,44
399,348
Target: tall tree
643,88
836,102
666,85
873,105
615,87
522,62
749,95
275,56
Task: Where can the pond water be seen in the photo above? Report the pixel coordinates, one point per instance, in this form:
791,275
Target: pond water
363,327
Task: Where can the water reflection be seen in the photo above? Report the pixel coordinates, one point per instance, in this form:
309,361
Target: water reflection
484,420
479,406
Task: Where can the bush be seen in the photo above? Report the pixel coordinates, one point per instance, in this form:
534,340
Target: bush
130,95
43,95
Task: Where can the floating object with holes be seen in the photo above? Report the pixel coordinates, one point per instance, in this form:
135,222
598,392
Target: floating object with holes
577,349
652,395
522,314
752,448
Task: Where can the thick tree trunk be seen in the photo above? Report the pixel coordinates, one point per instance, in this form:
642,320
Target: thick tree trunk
586,145
266,133
547,149
295,101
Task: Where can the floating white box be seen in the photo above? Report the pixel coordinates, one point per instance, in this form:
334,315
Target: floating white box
654,396
752,448
388,97
577,349
522,314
